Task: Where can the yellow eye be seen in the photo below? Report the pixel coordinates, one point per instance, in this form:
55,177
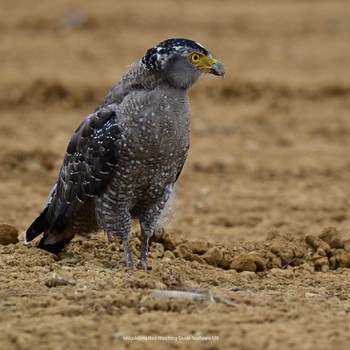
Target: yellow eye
195,57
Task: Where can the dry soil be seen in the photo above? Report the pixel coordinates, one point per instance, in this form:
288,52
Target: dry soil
258,253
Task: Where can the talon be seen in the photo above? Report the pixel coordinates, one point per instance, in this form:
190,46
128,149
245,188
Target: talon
144,265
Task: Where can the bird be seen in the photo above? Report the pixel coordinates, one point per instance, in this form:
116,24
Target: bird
123,160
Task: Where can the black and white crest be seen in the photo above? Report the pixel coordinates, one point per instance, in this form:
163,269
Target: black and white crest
156,55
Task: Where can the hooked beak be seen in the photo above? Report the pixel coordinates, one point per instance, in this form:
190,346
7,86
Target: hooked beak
218,69
212,66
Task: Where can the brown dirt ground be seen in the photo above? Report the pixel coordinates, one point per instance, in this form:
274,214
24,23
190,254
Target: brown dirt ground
268,175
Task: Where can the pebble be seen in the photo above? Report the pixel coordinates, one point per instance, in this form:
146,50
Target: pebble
213,256
169,255
248,262
332,236
317,243
168,241
8,234
286,273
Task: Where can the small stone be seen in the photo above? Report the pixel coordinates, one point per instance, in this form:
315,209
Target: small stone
287,273
286,256
321,252
317,243
309,268
169,255
343,259
199,259
160,285
248,262
332,236
340,259
8,234
183,252
198,247
158,250
56,280
213,256
249,274
168,241
276,262
225,262
320,263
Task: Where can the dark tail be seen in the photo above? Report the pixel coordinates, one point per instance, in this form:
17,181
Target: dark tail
56,247
37,227
51,242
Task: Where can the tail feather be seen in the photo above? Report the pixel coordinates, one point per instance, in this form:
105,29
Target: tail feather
56,247
52,242
37,227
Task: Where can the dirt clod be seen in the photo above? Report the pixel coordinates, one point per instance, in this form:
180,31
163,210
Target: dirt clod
168,241
213,256
317,243
248,262
341,258
332,236
8,234
56,280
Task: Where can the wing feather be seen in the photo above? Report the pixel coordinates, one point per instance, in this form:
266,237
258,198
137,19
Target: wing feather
90,157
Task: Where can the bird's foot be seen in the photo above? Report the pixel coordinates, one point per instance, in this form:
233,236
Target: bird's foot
144,265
